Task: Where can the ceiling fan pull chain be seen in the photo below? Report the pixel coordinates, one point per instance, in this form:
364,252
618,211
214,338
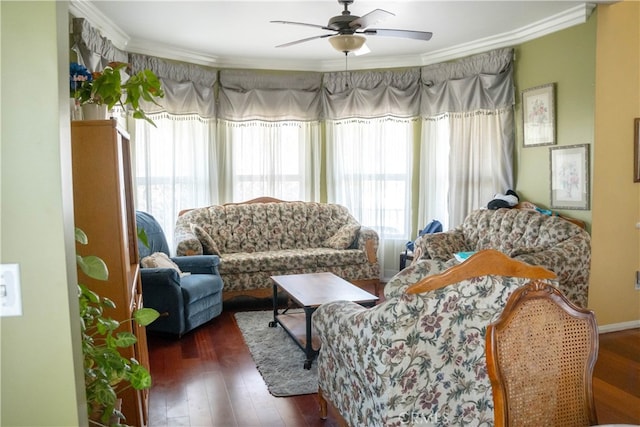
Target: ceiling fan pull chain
346,70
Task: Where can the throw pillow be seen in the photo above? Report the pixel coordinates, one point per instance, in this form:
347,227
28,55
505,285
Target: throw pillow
209,247
160,260
343,238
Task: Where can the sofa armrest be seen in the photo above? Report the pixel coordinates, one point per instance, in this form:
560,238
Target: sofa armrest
366,360
441,246
198,264
368,241
186,242
418,270
570,260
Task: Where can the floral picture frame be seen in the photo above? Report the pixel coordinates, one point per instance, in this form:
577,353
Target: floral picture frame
636,149
569,180
539,115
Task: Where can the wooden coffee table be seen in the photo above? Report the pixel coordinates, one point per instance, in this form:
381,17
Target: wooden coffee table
309,291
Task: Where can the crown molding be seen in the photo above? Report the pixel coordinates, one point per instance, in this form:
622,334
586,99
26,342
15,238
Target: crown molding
106,27
571,17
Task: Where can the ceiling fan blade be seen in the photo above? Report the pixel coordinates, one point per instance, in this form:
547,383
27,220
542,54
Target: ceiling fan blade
407,34
302,23
371,18
363,50
305,40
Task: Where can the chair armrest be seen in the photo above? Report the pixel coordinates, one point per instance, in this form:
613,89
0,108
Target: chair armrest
161,289
441,246
198,264
368,241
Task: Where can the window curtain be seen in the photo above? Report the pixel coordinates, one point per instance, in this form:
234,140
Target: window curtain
174,169
94,51
467,139
269,135
370,125
175,162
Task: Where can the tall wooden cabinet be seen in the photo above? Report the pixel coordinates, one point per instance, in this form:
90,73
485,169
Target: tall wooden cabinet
104,210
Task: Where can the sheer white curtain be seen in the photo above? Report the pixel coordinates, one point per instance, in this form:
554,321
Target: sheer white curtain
467,139
279,159
369,170
174,166
465,160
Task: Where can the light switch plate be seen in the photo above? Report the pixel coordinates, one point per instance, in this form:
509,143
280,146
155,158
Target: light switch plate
10,296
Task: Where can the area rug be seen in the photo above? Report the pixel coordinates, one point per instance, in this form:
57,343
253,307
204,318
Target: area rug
278,358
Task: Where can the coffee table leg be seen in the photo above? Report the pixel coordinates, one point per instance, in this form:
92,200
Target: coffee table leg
308,351
274,322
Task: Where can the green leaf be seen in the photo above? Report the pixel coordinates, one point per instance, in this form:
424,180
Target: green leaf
139,377
105,325
145,316
93,267
125,339
142,235
81,237
88,294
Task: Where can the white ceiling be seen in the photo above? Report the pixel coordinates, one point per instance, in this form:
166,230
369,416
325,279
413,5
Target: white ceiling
238,34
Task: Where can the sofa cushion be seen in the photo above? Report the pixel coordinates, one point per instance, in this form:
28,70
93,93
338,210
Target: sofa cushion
343,238
209,247
327,257
243,262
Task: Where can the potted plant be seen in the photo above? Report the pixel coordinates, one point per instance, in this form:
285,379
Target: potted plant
113,86
106,371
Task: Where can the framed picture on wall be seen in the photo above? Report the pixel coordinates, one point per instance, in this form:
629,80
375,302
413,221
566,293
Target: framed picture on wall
569,168
636,150
539,115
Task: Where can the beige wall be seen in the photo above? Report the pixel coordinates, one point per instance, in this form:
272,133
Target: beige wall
616,198
596,69
41,361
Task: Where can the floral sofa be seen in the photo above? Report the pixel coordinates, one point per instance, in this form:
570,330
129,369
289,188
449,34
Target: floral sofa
266,237
524,234
415,359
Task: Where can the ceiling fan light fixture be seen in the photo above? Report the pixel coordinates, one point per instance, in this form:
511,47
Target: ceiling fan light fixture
347,42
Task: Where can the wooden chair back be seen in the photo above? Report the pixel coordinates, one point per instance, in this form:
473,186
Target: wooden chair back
540,358
483,263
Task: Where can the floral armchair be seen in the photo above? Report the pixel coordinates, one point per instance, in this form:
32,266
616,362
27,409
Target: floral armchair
419,357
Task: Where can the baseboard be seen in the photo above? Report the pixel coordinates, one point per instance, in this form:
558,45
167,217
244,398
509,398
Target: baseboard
615,327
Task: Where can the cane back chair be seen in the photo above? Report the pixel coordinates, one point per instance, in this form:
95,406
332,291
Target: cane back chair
540,358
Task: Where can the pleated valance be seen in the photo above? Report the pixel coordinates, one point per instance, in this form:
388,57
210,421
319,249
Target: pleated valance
94,51
478,82
369,94
482,81
269,95
189,88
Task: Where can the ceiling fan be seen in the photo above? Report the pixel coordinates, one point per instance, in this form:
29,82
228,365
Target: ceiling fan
347,29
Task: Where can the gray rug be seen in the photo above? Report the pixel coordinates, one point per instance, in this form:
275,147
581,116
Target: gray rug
278,358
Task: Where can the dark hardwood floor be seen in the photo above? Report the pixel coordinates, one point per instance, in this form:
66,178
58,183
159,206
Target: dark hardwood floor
208,378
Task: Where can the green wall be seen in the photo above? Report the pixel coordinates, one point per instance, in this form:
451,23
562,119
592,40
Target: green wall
568,59
41,361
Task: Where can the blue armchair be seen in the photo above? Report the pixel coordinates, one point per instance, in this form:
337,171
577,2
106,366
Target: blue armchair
183,302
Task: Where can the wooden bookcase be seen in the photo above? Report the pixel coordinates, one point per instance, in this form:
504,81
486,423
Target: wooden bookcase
104,210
